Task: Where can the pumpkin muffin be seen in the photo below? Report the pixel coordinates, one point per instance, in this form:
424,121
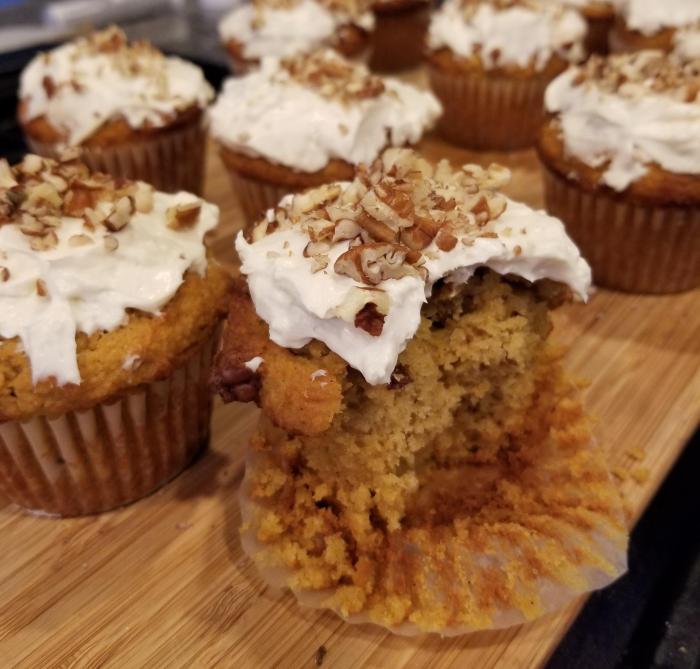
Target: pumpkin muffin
489,62
132,112
108,312
399,34
600,17
650,24
280,28
422,461
621,159
307,120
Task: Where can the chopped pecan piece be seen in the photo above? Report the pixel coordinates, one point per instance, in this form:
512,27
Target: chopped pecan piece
236,383
370,319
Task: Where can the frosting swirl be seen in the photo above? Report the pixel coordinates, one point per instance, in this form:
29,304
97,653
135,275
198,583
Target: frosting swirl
77,252
302,112
651,16
520,33
286,28
628,111
85,83
351,264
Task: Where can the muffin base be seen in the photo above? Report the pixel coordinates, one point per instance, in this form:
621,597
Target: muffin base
399,36
485,112
171,160
86,462
255,196
632,247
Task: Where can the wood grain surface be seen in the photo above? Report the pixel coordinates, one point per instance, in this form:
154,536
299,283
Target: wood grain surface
163,583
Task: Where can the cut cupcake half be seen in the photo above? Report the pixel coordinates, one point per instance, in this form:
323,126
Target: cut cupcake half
422,461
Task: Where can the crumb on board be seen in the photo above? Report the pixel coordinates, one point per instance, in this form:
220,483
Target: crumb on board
636,453
320,655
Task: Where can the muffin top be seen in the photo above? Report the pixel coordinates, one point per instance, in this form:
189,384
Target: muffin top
651,16
305,110
80,252
521,33
630,110
351,263
80,86
285,27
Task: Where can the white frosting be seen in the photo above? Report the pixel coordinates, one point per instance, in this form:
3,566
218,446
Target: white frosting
286,31
92,88
651,16
687,43
267,114
90,288
630,131
515,36
299,305
254,363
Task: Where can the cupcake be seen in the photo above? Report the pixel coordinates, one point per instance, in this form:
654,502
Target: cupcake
132,112
307,120
621,160
399,34
489,62
109,309
281,28
600,16
422,461
642,24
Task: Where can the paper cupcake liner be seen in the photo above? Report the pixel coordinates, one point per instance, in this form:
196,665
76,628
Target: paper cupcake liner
85,462
171,161
256,196
607,544
630,247
482,112
399,37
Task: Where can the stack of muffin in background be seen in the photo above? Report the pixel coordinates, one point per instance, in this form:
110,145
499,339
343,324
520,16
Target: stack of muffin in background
110,304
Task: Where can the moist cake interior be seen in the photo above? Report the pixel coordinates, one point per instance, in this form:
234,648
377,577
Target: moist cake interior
467,493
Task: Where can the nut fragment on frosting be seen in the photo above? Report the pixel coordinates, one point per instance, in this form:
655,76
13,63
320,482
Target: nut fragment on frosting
303,111
628,111
91,248
502,33
286,27
351,264
80,86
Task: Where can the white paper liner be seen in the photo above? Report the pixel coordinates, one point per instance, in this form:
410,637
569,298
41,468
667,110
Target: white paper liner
610,545
171,160
85,462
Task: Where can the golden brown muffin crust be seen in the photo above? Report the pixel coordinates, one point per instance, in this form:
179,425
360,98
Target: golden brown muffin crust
656,187
446,60
114,132
625,39
264,170
162,343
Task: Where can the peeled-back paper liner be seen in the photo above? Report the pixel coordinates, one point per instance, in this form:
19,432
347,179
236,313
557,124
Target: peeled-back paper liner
489,112
171,160
256,196
84,462
399,36
609,542
632,247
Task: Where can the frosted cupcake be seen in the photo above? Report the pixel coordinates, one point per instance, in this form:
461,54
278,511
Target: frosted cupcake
399,34
600,16
307,120
108,312
131,111
422,461
280,28
650,24
489,62
621,160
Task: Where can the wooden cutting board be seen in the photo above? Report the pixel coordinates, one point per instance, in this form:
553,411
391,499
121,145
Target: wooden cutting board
163,583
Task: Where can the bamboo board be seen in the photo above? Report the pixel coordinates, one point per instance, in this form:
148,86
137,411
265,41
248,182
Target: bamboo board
163,583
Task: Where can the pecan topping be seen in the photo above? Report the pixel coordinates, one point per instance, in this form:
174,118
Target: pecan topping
236,383
370,320
375,262
183,216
